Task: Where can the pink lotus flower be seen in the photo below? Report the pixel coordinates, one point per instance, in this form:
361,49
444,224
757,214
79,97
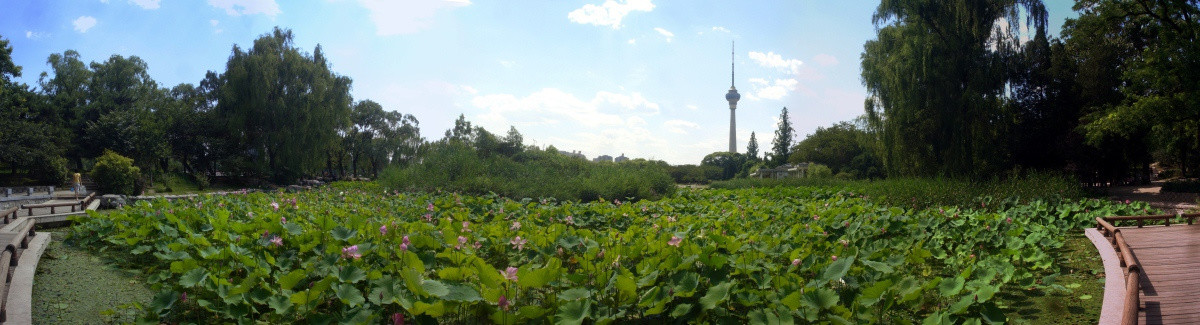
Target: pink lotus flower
277,241
671,219
834,258
461,241
477,245
518,242
429,207
283,220
428,217
796,262
674,241
503,303
351,252
397,319
1009,220
510,274
570,220
404,247
466,226
816,217
383,230
405,240
275,206
516,225
183,297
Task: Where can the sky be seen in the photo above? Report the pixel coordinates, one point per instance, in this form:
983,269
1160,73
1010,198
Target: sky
643,78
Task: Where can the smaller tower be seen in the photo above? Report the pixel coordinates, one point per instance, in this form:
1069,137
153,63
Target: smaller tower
732,96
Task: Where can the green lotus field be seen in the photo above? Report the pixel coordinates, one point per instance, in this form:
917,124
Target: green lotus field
357,253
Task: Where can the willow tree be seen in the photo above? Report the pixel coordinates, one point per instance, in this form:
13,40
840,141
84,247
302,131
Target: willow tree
936,79
281,107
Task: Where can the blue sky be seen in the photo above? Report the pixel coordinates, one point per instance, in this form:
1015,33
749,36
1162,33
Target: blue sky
645,78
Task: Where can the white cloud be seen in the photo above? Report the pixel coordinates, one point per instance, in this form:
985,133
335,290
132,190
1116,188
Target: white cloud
610,13
214,22
551,105
825,59
720,29
632,41
406,17
665,33
34,35
84,23
680,126
247,7
146,4
763,89
772,60
692,107
103,1
507,63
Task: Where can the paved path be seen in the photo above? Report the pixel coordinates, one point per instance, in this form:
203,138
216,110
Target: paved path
1170,282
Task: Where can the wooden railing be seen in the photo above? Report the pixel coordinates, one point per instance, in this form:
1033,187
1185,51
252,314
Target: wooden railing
81,203
1133,268
10,214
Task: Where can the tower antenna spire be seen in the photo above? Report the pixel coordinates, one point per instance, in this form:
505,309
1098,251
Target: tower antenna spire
731,68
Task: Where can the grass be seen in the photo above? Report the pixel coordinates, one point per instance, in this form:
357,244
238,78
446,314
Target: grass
1074,295
74,285
179,183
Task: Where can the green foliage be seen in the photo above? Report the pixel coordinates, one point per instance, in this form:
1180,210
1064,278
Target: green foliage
1147,53
819,171
51,171
926,193
693,174
845,147
281,108
730,164
355,251
454,166
936,81
116,174
781,146
752,147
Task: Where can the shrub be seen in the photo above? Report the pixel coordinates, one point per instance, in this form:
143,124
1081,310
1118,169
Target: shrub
116,174
819,171
529,174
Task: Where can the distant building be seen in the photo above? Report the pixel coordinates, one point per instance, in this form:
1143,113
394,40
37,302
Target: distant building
621,158
605,158
783,171
574,154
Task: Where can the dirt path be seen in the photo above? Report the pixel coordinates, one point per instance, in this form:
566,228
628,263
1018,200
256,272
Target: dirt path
1152,193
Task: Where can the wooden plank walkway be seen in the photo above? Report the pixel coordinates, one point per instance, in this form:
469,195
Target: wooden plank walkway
1170,282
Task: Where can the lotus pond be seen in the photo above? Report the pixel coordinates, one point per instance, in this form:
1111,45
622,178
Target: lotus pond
356,253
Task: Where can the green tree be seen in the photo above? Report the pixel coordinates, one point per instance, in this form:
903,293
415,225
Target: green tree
1154,48
31,136
844,147
281,108
752,148
67,92
730,164
936,78
781,147
116,174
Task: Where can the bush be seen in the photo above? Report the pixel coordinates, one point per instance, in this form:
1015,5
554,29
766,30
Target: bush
529,174
819,171
116,174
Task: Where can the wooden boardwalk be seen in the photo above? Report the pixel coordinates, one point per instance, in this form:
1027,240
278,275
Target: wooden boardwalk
1170,279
